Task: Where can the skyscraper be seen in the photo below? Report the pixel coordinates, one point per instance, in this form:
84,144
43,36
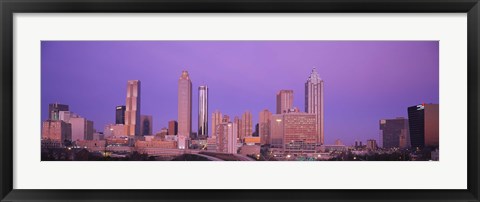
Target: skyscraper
246,125
423,122
264,120
284,101
172,127
146,125
216,119
55,109
184,109
202,111
314,101
132,108
392,131
225,138
120,114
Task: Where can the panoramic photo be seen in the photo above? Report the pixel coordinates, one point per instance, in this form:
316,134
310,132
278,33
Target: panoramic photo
239,101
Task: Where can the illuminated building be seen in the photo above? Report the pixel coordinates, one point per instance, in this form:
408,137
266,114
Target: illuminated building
202,112
284,101
295,132
216,119
56,131
264,122
172,127
314,101
246,126
226,141
132,108
184,109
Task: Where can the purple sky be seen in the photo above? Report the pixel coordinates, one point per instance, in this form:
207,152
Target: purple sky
364,80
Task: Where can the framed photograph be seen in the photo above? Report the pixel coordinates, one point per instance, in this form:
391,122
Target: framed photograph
239,100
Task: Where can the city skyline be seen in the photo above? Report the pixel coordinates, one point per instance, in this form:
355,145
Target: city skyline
256,97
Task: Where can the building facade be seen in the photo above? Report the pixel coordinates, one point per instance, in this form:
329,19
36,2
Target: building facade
264,122
246,129
226,140
120,114
172,127
57,131
216,120
423,122
202,112
55,109
392,131
184,109
294,132
314,101
284,101
132,108
146,125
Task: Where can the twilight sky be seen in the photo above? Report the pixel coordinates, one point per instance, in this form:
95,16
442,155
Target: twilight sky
364,80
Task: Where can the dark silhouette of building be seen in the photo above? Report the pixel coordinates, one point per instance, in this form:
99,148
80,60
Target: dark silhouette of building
423,123
120,114
54,110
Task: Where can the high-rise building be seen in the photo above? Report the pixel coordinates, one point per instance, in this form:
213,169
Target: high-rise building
225,118
423,124
255,133
120,114
172,127
216,119
132,108
202,111
392,131
56,130
284,101
55,109
226,141
372,144
82,128
314,101
238,123
264,122
295,132
246,125
146,125
184,109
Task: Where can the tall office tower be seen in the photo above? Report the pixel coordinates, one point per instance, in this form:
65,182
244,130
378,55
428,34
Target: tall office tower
55,109
255,133
56,130
120,114
423,123
184,109
216,119
246,126
239,123
295,132
202,111
314,101
372,144
226,140
146,125
284,101
132,108
172,127
392,131
264,122
225,118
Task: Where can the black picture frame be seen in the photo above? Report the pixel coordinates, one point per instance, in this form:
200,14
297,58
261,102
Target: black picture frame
9,7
